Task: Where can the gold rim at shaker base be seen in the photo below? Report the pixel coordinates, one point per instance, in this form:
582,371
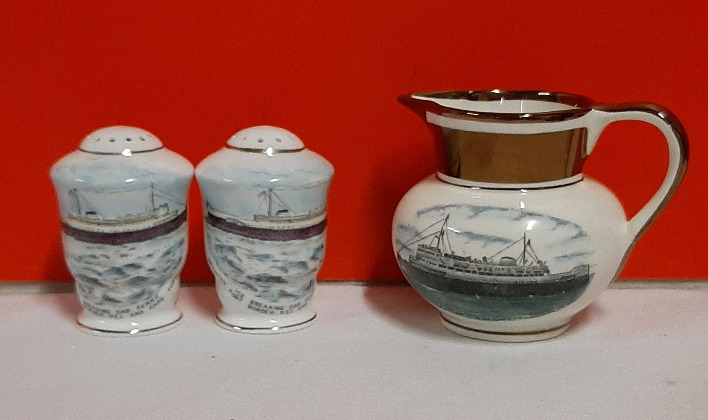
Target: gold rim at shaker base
134,332
265,330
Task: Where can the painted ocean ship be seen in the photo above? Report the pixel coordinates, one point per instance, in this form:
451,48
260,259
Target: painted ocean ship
90,224
437,266
276,223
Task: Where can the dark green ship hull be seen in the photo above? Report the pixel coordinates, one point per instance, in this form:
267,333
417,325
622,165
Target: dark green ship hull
485,299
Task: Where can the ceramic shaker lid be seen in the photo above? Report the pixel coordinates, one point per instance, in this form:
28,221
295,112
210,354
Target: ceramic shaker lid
265,139
265,157
119,140
122,169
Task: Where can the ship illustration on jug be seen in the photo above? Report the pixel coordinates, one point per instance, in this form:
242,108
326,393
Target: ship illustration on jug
274,221
442,269
471,269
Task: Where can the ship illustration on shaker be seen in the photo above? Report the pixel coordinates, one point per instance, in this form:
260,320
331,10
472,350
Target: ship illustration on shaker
123,204
93,221
265,227
275,222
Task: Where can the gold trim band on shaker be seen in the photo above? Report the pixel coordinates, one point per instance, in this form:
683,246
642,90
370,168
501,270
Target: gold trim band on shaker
132,152
267,151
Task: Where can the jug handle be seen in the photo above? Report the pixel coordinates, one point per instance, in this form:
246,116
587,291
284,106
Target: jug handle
677,141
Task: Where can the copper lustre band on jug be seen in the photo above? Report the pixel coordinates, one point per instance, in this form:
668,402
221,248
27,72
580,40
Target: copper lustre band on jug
510,158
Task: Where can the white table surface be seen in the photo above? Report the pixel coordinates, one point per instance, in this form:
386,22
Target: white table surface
374,352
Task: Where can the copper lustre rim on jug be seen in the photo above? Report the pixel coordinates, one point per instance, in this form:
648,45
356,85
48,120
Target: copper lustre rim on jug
506,139
561,106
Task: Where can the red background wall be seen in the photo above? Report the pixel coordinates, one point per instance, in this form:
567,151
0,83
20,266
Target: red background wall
193,73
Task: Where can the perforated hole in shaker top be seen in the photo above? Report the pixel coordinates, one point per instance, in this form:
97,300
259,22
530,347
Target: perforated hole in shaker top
120,140
265,139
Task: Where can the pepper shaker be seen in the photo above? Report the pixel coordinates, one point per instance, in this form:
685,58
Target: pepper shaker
123,204
265,199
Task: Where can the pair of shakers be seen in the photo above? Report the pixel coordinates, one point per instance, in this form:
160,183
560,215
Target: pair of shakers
123,203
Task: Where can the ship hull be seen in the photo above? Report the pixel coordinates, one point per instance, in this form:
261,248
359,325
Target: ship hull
276,233
495,299
482,285
124,237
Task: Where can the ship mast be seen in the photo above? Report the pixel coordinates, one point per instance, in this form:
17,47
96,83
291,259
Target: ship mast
152,196
75,193
268,196
443,236
526,250
438,235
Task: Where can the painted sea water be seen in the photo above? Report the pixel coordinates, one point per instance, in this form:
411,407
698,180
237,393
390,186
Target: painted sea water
121,281
497,308
272,277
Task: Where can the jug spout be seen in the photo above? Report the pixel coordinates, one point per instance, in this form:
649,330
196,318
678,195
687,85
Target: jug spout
511,138
498,105
417,105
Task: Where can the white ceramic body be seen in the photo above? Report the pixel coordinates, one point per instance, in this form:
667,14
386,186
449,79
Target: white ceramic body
583,218
514,261
124,230
265,270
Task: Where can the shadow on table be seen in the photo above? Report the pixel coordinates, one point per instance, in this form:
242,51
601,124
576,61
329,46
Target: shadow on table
585,317
65,302
203,297
401,305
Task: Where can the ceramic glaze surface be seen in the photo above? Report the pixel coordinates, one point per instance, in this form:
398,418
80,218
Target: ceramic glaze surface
509,240
508,259
265,199
123,204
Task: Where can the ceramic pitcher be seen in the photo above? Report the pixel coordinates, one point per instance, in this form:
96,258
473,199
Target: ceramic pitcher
509,239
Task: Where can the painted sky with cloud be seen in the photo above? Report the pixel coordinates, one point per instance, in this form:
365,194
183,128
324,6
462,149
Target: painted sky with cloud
479,231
